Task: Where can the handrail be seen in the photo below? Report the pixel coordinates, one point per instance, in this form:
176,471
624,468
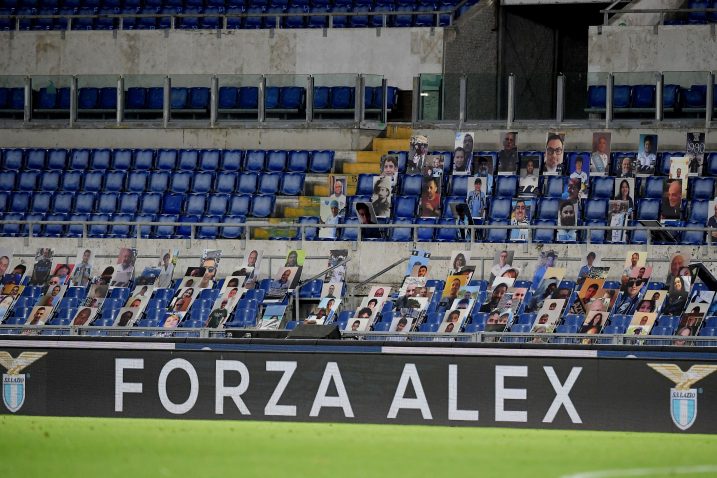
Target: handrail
611,10
269,225
225,15
587,340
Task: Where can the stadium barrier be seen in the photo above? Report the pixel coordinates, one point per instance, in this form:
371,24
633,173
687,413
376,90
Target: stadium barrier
473,233
616,389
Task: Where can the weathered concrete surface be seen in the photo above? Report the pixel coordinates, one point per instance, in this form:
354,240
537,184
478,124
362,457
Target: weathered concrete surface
664,48
398,53
632,19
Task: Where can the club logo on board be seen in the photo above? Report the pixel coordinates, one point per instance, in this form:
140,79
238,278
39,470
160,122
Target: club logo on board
683,399
13,382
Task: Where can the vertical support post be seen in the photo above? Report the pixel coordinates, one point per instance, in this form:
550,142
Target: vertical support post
560,100
384,103
27,113
166,97
213,101
415,111
511,102
262,96
120,100
358,100
709,104
462,100
608,99
309,98
659,99
73,101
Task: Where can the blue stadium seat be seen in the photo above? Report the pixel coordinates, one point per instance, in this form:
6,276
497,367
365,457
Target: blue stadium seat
87,98
262,205
291,97
121,159
596,209
226,182
98,230
298,161
276,161
411,184
79,159
114,181
35,159
166,231
232,160
41,202
506,186
248,96
292,184
255,160
166,159
702,188
643,96
342,97
548,209
195,204
181,182
544,235
364,186
209,160
173,203
198,98
7,180
597,96
248,183
602,187
129,203
159,181
121,231
27,180
501,208
654,187
107,203
143,159
621,96
202,182
648,209
232,231
14,159
459,185
554,186
322,96
239,205
151,203
498,235
405,206
217,204
699,211
57,159
136,97
188,159
20,202
137,181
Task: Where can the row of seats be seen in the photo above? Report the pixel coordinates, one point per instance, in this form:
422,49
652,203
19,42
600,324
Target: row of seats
197,99
254,17
642,97
113,182
118,5
696,18
18,161
662,166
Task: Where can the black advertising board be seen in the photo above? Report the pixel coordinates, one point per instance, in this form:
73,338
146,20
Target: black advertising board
561,389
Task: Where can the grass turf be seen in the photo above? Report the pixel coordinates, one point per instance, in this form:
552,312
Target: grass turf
92,447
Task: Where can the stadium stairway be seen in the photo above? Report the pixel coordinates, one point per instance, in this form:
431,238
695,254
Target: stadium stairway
348,163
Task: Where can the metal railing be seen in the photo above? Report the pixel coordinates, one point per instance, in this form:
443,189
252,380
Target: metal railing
588,340
223,17
473,233
614,9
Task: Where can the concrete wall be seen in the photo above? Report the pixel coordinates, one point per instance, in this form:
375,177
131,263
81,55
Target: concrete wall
364,261
472,50
397,53
661,48
628,18
222,138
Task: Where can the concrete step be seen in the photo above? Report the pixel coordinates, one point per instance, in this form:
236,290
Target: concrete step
368,157
384,145
397,131
362,168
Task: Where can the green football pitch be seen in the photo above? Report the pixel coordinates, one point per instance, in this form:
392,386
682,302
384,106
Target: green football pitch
129,448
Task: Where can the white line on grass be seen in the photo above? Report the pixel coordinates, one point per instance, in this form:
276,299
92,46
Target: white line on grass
675,470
